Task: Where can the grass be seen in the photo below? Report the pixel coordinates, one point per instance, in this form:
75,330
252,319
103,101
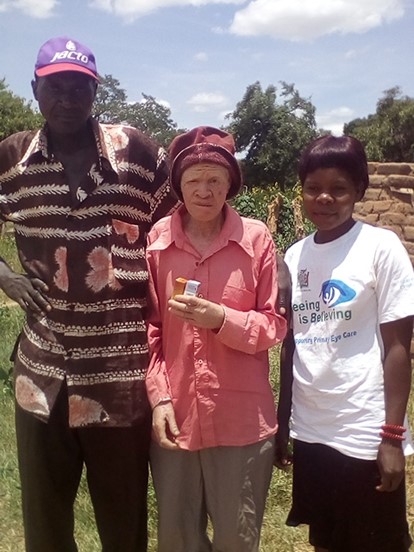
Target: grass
276,536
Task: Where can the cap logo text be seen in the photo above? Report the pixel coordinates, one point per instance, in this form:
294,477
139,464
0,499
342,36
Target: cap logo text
71,55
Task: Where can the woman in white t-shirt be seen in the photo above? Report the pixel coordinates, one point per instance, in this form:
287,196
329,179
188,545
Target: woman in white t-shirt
345,365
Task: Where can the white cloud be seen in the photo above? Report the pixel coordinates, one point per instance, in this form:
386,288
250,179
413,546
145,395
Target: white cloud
204,101
201,56
309,19
39,9
351,54
361,53
335,119
218,30
138,8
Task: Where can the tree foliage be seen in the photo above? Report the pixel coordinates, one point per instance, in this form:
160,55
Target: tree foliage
111,101
16,113
388,135
154,119
270,132
148,115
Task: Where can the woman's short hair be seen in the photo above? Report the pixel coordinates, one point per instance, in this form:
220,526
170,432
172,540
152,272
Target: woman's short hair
340,152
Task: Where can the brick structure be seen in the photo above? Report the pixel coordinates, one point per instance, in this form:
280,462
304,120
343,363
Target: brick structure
389,202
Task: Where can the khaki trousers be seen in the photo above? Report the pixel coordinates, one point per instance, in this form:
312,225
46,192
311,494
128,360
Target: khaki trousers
229,485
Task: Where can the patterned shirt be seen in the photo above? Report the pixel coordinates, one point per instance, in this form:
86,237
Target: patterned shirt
91,253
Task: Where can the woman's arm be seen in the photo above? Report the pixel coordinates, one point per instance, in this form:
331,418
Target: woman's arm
396,336
282,457
284,295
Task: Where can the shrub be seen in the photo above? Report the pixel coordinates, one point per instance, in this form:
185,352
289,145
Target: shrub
11,321
281,211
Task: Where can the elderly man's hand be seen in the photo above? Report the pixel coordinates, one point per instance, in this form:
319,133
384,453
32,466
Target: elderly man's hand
26,292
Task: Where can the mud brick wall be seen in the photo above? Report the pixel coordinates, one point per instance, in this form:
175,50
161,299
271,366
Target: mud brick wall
389,202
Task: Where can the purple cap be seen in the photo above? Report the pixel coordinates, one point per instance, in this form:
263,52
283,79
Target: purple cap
64,54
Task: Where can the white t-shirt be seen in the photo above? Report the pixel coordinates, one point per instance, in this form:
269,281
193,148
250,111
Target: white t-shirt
341,292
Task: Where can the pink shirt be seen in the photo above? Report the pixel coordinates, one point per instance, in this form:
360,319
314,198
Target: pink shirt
218,382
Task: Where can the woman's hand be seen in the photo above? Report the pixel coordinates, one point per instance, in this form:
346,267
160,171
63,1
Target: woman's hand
391,464
283,456
197,311
164,425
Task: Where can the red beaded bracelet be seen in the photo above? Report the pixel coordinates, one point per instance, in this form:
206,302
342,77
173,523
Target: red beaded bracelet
394,436
391,428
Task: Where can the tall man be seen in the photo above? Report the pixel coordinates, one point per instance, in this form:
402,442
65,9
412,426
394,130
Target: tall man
82,197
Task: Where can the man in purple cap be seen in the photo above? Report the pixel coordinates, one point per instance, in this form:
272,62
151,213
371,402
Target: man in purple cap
82,197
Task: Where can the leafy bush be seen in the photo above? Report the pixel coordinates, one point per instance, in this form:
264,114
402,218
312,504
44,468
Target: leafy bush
257,203
11,316
11,321
8,248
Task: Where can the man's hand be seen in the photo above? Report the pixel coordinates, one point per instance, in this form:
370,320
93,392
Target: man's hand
26,292
391,464
284,288
197,311
164,425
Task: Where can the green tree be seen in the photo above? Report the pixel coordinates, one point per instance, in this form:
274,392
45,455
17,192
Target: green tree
388,135
270,133
151,117
110,104
16,113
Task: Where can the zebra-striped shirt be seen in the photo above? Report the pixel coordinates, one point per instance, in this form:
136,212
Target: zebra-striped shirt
90,252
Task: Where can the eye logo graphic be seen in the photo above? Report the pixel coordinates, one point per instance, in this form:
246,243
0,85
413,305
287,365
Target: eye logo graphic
335,292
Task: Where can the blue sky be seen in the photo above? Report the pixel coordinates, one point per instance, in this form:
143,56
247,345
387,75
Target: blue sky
199,56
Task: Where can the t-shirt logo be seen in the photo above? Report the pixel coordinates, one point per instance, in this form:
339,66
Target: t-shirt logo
335,292
303,278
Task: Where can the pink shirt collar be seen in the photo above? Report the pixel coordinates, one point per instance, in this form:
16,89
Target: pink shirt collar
232,230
